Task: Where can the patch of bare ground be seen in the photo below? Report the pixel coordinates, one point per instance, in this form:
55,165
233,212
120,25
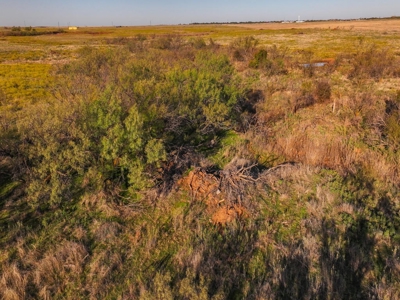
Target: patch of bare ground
224,192
362,25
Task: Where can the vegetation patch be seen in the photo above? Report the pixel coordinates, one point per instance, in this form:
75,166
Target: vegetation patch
157,163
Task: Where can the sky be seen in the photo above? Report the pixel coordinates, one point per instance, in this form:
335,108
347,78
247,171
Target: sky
155,12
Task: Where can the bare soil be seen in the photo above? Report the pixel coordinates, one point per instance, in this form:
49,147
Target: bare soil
206,187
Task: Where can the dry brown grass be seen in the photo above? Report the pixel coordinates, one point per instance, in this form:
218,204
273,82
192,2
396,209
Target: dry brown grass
100,273
12,283
60,270
362,25
98,201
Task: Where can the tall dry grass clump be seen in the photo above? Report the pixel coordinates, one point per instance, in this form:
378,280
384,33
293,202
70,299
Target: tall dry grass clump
60,271
13,282
373,62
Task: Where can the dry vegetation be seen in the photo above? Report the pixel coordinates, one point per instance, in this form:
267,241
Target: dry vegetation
201,162
380,25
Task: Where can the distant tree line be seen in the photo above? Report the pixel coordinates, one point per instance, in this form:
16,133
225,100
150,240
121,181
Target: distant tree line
27,31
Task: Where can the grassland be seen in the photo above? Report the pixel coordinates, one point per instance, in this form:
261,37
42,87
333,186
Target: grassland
201,162
323,39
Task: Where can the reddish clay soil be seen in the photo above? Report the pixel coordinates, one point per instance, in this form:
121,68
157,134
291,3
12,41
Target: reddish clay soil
205,187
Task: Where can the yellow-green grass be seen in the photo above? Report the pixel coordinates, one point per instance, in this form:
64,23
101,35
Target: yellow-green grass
34,55
21,78
28,82
324,42
311,212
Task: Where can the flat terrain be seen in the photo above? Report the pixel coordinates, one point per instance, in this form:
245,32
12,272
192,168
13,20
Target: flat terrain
26,60
362,25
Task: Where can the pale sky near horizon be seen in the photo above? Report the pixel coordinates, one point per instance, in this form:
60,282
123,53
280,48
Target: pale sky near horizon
132,12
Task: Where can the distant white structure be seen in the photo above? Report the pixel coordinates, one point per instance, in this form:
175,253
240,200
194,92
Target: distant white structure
72,28
299,20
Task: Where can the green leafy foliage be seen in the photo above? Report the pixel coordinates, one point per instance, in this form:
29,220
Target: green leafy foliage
270,60
119,122
260,60
98,197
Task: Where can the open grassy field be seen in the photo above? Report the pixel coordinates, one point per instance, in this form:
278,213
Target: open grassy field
249,161
24,58
378,25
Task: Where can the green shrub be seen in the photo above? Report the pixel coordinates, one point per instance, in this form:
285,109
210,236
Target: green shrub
260,60
243,47
270,60
127,115
247,43
197,43
96,198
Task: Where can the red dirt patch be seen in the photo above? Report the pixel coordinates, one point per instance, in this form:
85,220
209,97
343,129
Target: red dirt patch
206,187
227,214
